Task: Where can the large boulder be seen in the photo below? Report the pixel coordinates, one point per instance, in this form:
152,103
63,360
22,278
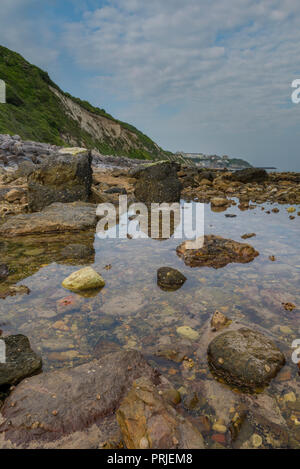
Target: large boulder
245,358
20,361
249,175
148,421
158,183
56,218
216,252
60,178
72,407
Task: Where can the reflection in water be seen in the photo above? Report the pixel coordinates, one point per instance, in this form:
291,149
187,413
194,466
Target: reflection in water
131,311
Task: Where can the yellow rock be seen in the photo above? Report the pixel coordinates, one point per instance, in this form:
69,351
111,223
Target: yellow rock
289,397
291,210
83,279
187,332
256,440
72,151
218,427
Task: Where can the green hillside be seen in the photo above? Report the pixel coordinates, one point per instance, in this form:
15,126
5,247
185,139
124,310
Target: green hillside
34,112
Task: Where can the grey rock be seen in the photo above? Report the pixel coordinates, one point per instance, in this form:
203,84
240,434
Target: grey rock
60,178
21,361
245,358
58,217
158,183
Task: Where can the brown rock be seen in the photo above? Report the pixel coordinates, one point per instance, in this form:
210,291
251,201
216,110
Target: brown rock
148,421
72,393
216,252
219,320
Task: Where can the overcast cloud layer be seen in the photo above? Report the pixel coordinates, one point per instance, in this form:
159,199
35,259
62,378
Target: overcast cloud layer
195,75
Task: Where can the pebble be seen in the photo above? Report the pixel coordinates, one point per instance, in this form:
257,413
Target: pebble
220,428
256,440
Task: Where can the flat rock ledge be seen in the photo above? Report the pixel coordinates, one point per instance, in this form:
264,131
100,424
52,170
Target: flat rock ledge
57,218
216,252
245,359
77,407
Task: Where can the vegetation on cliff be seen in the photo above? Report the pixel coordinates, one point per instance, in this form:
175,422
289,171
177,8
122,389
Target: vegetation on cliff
35,112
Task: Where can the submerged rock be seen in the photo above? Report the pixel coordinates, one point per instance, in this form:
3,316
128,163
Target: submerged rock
245,358
158,182
56,218
4,272
14,290
20,361
83,279
169,278
187,332
219,320
61,178
216,252
78,253
148,421
72,407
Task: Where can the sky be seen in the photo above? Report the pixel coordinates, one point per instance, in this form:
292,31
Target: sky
211,76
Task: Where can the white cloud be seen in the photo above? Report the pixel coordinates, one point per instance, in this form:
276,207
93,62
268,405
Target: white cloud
195,74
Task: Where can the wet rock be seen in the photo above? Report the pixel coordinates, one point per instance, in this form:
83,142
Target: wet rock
14,290
245,358
72,407
4,272
170,279
21,361
58,217
60,178
249,175
147,421
83,279
219,321
216,252
158,182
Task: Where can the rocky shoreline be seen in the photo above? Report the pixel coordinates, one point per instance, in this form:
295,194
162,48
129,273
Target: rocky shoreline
122,399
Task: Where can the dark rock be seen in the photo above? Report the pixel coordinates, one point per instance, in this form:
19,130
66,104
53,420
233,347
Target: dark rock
58,217
21,361
245,358
169,278
73,405
115,190
158,183
60,178
216,252
249,175
4,272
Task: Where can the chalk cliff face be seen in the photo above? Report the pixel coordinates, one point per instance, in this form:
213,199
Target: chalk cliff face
38,110
100,127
